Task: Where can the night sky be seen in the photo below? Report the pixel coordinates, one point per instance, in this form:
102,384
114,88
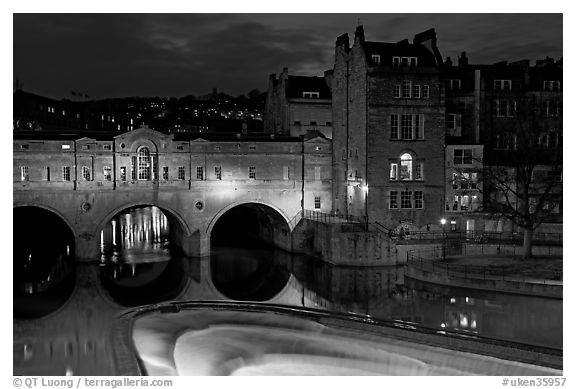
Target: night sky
173,55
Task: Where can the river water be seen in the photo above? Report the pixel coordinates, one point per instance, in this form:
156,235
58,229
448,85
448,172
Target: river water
62,317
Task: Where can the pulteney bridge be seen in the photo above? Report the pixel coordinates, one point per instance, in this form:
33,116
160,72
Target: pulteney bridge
193,180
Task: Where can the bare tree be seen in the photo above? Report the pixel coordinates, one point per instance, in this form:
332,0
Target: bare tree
522,172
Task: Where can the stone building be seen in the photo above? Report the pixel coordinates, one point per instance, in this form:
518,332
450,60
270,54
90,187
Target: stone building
388,130
297,104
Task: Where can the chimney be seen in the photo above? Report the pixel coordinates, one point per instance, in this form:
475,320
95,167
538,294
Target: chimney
359,35
448,62
343,42
463,60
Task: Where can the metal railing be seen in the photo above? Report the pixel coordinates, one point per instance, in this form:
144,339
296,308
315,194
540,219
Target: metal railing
431,261
485,237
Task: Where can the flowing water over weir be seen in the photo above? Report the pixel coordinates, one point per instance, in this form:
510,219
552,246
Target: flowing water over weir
64,312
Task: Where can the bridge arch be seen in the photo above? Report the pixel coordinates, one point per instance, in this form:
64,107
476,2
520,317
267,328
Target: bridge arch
171,214
228,207
47,208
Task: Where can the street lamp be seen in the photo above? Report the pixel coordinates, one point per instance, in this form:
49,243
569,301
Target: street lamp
443,222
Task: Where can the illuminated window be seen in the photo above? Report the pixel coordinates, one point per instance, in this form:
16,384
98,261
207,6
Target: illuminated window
181,173
144,163
165,174
86,173
317,203
65,147
199,172
134,161
311,95
406,167
123,173
252,172
66,173
24,175
393,171
393,200
107,173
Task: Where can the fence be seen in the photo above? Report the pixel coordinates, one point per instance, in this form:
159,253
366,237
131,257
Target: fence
431,261
487,237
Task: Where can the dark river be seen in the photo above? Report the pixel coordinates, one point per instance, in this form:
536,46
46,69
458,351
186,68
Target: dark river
63,311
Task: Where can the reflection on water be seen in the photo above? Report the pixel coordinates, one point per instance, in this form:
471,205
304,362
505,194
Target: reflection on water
138,267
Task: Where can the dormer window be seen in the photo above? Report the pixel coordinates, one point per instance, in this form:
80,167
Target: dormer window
405,61
551,85
503,85
453,84
311,95
376,59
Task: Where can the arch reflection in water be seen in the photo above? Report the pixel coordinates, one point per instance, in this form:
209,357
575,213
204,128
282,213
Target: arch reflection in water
43,262
249,274
138,265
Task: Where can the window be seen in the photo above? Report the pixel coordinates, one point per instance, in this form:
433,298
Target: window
406,167
328,123
395,61
418,171
413,61
453,84
144,163
66,173
181,173
317,173
393,171
252,147
24,173
180,147
252,172
286,175
504,85
552,108
85,173
454,181
317,203
462,156
47,173
312,123
297,122
393,200
123,173
376,59
85,147
394,126
418,199
451,121
416,91
406,127
107,147
404,61
418,126
107,173
217,148
65,147
406,199
218,172
397,93
425,91
311,95
199,172
133,161
551,85
406,89
24,147
165,173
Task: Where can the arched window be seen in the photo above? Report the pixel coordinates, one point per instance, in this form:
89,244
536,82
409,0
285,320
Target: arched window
406,167
144,163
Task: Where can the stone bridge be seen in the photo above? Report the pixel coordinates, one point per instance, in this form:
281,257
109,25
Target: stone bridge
88,181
